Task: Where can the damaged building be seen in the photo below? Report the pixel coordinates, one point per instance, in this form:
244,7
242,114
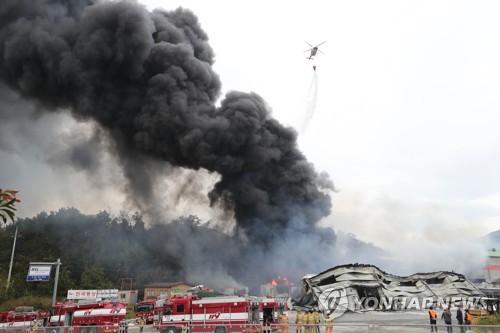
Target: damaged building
357,287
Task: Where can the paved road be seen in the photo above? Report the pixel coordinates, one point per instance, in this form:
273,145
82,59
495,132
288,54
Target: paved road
405,322
389,321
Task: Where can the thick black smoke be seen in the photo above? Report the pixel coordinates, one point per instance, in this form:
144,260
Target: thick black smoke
146,78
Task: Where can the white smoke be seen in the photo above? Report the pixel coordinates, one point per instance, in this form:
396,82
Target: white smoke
312,97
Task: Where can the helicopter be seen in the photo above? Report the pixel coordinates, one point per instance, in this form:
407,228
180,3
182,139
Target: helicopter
313,50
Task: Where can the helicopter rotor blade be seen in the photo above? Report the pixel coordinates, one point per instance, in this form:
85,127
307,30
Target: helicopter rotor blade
321,43
308,44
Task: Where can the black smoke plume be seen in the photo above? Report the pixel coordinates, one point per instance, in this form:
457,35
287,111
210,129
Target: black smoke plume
146,79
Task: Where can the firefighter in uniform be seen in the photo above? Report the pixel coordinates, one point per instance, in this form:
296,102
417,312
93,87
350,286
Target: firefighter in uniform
299,320
305,320
328,323
311,322
34,326
317,320
141,323
283,320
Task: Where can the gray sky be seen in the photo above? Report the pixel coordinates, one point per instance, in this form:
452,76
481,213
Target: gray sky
405,118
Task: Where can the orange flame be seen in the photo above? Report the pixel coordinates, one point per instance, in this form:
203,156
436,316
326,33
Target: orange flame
280,281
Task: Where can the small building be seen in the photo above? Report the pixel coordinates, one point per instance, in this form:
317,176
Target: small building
155,289
492,269
128,296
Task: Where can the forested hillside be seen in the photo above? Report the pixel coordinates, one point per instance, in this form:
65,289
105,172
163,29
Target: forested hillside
96,251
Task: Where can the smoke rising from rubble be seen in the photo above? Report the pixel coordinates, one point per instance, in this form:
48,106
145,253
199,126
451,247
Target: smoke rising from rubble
145,80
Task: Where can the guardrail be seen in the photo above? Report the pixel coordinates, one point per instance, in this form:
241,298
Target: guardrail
62,329
258,328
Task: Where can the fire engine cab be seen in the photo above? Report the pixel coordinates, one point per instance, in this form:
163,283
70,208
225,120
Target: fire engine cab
145,309
226,314
88,317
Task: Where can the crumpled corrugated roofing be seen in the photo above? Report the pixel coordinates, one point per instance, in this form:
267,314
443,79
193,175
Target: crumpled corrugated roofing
370,280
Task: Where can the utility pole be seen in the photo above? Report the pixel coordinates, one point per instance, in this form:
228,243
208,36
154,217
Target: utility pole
56,280
11,259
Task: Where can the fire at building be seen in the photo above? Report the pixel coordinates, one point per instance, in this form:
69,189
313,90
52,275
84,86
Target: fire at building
279,287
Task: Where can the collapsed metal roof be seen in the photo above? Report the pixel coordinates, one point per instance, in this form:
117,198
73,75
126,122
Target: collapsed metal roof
350,285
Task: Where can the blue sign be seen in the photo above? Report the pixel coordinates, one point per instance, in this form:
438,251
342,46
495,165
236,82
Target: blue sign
39,273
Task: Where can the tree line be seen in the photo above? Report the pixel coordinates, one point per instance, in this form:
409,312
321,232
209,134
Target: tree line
96,251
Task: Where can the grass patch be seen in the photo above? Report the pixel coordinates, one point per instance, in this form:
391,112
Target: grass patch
490,320
37,302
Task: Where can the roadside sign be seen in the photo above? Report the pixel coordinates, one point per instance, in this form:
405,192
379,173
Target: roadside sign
39,273
107,293
93,294
81,294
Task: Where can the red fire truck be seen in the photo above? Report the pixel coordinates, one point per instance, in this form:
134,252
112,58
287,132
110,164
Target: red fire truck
88,317
226,314
146,309
22,317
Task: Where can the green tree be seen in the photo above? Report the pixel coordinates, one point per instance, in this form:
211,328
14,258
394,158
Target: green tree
94,278
7,204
